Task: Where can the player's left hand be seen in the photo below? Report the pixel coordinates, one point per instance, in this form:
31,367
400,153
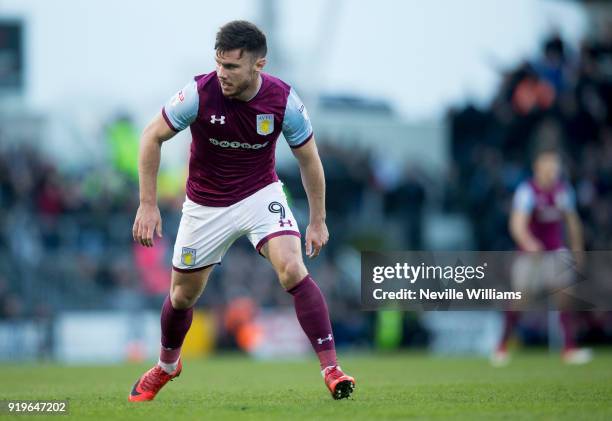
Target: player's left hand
316,237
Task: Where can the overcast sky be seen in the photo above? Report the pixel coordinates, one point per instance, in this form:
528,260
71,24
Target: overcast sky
421,55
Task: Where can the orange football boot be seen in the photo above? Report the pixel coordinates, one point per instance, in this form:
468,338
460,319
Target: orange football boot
339,384
147,386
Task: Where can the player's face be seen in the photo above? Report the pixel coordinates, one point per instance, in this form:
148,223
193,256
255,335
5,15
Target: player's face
547,169
237,71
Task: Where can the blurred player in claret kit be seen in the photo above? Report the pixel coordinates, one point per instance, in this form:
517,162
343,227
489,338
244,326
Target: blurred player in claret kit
542,207
236,115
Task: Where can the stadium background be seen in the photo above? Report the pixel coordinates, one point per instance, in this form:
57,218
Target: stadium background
424,130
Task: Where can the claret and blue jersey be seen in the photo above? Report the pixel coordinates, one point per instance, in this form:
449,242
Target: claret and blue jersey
547,209
233,141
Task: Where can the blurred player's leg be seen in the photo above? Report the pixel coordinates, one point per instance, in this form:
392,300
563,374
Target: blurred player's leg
176,317
567,328
501,357
571,354
510,320
284,252
525,278
561,275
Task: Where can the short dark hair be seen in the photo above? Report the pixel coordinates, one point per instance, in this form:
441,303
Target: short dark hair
241,35
547,148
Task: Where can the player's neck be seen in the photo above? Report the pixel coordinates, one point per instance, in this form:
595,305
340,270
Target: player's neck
251,91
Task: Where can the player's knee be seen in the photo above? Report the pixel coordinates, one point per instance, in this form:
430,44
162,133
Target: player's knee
291,272
182,298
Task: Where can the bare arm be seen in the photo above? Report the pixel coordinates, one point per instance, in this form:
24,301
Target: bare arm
576,239
519,230
313,180
148,219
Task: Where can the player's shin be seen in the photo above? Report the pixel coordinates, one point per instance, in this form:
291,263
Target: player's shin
313,315
174,326
510,320
567,327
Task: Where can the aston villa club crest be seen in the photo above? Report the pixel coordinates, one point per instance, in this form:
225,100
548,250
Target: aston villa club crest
188,256
265,124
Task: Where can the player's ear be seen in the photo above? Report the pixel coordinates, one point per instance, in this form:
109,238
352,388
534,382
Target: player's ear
260,63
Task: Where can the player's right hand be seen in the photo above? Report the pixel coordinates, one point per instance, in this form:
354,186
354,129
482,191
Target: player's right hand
148,220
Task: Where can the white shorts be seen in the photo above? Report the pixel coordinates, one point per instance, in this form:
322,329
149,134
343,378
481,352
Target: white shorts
547,271
206,233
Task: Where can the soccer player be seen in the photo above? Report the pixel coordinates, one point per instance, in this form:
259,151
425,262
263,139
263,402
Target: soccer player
236,115
542,206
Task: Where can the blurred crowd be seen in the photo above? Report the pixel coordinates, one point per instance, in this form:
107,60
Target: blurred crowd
563,97
66,238
62,236
66,235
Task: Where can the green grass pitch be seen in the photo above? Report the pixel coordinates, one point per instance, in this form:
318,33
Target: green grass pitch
389,386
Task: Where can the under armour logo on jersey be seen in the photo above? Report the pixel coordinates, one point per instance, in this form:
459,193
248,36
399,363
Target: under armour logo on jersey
276,207
214,119
327,338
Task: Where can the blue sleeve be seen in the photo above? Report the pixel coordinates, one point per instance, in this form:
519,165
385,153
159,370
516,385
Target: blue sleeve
296,124
182,109
524,199
566,199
